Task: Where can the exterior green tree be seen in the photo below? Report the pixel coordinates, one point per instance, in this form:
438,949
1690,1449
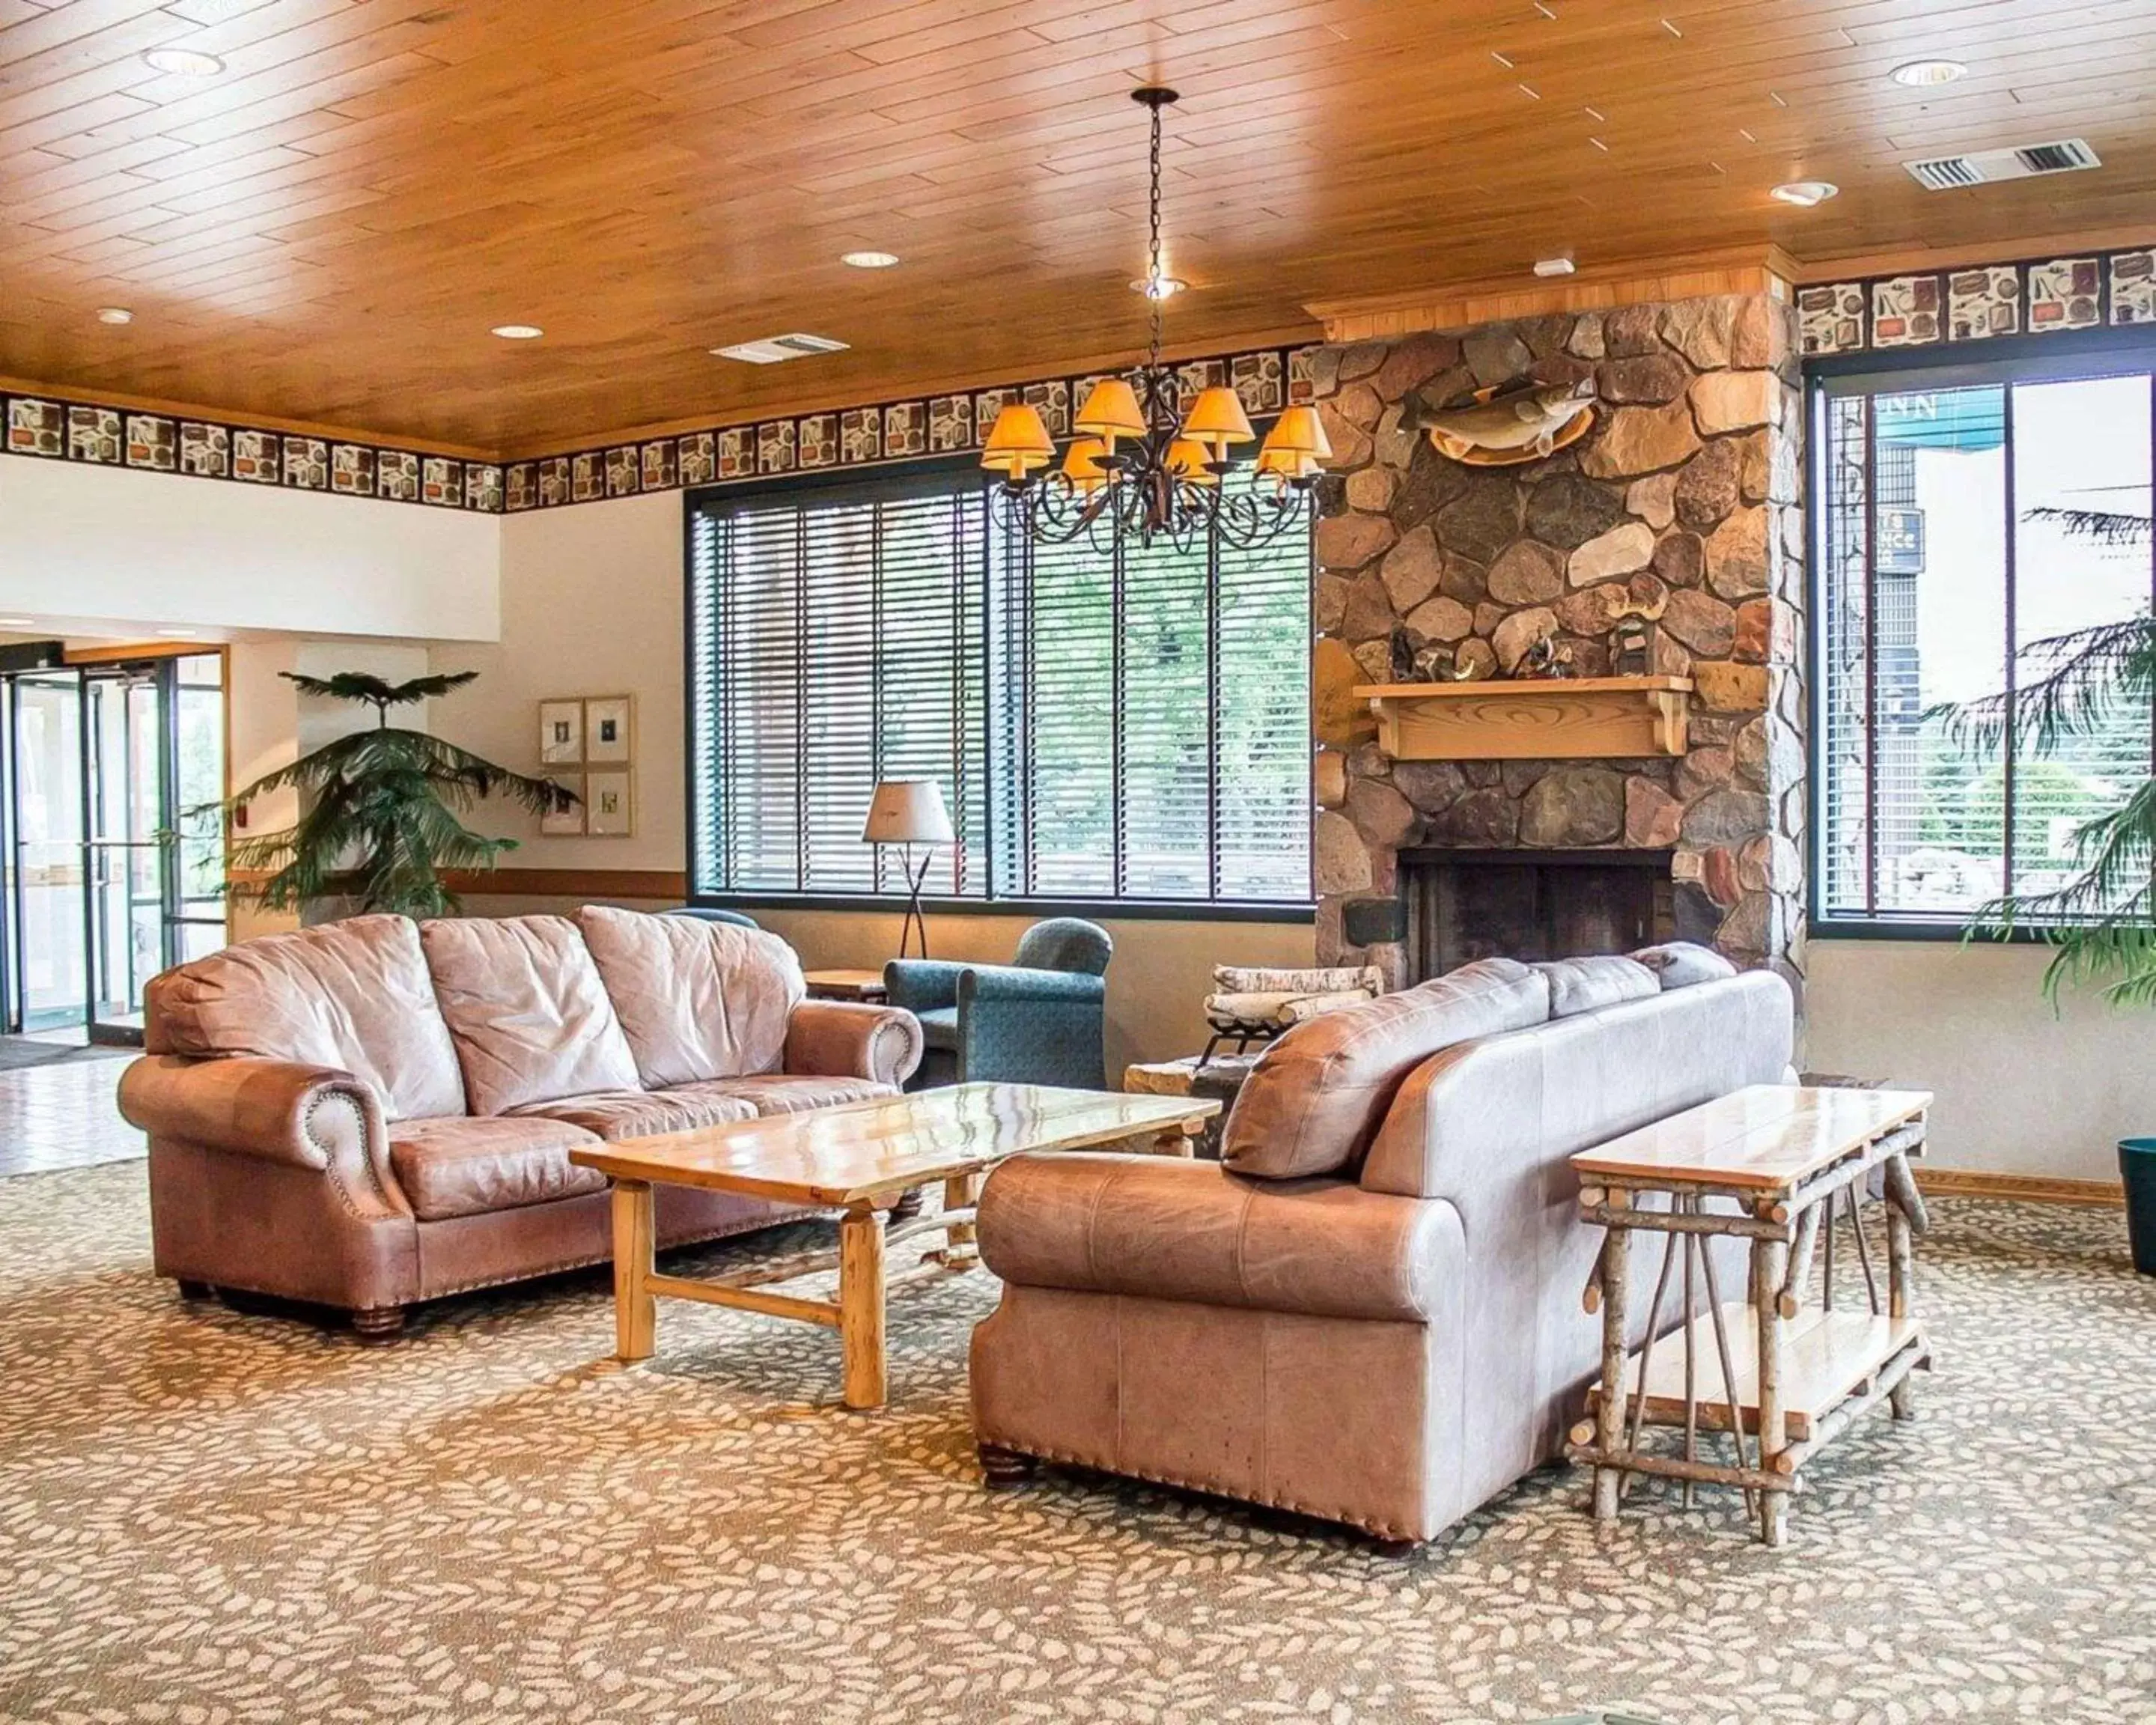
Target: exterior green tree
2102,924
381,809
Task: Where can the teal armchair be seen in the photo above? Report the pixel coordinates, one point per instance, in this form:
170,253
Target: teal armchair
1039,1021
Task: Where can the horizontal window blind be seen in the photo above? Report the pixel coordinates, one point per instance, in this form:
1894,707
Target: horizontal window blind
836,641
1964,525
1129,724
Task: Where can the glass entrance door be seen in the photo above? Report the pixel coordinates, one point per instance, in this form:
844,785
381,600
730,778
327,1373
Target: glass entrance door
47,906
127,853
115,844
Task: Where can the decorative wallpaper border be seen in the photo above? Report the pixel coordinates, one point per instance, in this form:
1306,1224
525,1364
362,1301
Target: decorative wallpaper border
2088,290
220,450
1267,379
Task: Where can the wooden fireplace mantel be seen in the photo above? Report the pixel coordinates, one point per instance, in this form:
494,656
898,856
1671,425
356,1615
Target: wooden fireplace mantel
1544,719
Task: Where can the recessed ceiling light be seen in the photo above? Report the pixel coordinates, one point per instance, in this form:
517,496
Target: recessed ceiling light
1805,193
114,314
183,62
868,260
17,623
1554,266
518,331
179,635
1923,74
1158,287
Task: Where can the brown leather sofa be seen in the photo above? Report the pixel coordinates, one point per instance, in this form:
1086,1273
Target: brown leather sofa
1369,1310
378,1111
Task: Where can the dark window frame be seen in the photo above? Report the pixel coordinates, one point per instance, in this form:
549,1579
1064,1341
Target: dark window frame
929,476
2066,357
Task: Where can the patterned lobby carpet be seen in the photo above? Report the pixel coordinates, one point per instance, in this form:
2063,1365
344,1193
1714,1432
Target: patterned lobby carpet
211,1518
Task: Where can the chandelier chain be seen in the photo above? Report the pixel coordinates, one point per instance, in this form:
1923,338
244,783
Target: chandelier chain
1155,269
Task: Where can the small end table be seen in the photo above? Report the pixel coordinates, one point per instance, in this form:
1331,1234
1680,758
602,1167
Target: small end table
865,985
1796,1376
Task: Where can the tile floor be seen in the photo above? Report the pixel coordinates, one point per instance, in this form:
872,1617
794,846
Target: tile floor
63,1115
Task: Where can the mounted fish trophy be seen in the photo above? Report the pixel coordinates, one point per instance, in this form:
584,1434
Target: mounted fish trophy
1506,425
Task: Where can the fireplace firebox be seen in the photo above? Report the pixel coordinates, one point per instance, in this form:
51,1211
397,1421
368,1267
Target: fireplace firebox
1467,904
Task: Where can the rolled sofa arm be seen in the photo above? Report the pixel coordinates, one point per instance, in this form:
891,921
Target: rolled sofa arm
307,1116
841,1038
1164,1229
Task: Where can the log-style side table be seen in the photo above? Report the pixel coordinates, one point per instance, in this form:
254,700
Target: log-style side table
1782,1167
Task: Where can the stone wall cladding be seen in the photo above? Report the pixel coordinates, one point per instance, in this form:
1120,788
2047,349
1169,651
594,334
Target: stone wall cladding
1689,490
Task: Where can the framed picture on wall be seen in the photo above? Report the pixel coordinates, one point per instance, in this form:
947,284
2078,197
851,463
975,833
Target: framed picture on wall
566,823
609,721
608,805
561,732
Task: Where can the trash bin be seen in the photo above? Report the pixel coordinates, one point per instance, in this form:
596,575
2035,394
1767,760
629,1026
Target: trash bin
2137,1166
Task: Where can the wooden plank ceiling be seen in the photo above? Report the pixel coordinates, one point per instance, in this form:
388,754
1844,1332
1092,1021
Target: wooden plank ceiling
328,229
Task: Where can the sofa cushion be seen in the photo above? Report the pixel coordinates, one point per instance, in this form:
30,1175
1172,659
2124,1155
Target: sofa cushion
780,1093
463,1166
617,1114
354,996
526,1010
1579,985
696,1000
1312,1103
1682,964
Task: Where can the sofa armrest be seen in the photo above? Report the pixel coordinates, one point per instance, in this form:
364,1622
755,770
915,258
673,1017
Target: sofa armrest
1031,1026
277,1110
1164,1229
921,984
840,1038
1009,982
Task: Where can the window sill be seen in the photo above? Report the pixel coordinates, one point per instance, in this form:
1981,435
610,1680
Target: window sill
1941,928
1097,910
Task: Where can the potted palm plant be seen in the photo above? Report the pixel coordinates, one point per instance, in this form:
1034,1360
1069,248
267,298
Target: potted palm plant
380,821
2101,924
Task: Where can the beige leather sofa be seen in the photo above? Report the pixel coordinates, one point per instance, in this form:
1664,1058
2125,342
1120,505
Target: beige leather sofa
377,1112
1369,1310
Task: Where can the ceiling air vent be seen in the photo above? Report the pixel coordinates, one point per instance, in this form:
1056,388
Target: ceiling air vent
772,349
1949,173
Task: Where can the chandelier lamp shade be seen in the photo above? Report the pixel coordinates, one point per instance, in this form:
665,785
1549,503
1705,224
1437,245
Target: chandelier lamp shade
1141,465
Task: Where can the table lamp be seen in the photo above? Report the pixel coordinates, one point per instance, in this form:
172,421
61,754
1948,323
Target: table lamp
909,811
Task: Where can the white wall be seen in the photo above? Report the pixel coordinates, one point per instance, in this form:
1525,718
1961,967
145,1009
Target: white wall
101,545
591,604
2021,1090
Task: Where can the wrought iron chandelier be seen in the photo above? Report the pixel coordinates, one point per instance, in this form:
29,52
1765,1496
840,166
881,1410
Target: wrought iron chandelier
1138,466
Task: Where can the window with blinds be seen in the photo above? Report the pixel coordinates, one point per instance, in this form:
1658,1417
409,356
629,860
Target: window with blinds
1130,728
1968,517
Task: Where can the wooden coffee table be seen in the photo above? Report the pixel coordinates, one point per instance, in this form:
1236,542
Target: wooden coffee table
858,1158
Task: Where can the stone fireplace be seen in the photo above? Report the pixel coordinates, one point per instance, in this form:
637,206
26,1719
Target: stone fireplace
1684,500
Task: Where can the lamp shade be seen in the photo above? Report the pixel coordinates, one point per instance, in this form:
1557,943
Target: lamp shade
1187,460
907,811
1300,429
1082,465
1112,410
1217,417
1018,442
1288,463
